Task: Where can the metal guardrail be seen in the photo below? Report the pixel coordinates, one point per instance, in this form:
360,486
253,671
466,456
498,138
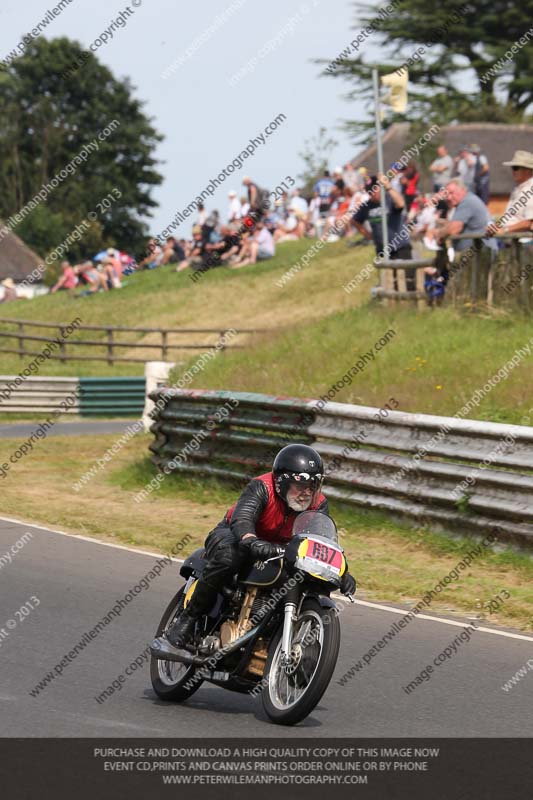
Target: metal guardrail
33,395
379,471
89,397
109,343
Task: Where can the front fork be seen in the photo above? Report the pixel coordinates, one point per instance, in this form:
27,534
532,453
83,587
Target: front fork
289,618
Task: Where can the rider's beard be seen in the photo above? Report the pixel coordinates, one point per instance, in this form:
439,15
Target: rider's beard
299,505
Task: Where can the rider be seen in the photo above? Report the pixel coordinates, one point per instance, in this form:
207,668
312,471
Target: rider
255,527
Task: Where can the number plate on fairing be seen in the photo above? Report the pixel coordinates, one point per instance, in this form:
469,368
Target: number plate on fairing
322,559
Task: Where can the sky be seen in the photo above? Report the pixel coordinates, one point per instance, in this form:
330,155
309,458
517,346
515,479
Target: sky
212,76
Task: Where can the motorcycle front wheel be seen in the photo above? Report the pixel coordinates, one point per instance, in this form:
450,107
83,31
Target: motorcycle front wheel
170,679
293,689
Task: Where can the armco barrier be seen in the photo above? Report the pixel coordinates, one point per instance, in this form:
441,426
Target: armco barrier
112,397
369,456
35,394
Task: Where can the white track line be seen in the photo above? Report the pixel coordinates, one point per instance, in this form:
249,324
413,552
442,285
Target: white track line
378,606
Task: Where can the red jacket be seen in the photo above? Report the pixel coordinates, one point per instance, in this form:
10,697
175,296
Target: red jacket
261,510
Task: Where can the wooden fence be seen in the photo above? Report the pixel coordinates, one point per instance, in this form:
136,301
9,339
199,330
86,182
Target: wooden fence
109,343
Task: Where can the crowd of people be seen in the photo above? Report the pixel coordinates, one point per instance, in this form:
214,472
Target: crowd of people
342,203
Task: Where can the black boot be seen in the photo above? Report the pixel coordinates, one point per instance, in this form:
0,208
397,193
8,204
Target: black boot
181,632
202,599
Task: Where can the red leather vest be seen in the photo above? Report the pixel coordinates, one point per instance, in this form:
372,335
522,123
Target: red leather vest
276,521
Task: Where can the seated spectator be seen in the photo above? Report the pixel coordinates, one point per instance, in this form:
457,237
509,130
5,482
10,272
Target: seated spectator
89,277
113,257
153,257
195,253
289,229
235,208
227,249
173,252
67,281
259,247
10,292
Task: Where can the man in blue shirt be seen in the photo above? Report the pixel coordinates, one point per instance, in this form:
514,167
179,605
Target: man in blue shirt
323,188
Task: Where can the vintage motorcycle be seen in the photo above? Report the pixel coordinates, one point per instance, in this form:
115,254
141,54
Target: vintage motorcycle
274,631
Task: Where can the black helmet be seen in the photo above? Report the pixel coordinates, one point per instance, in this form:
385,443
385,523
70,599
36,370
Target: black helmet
298,464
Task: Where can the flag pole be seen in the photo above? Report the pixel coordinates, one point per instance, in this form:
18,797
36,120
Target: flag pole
385,233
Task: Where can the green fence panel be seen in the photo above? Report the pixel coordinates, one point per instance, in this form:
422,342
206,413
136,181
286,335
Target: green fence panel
112,397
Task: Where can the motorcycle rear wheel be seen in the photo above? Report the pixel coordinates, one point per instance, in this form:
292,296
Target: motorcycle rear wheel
291,692
171,680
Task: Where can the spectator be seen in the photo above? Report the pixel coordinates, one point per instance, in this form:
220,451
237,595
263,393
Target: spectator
338,179
10,292
441,168
353,179
259,248
202,214
153,257
257,197
89,276
226,249
245,207
195,252
67,281
234,208
465,167
397,170
470,215
173,252
481,173
298,202
323,189
398,233
409,181
520,205
113,256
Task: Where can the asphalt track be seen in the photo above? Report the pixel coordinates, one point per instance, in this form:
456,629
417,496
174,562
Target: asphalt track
78,581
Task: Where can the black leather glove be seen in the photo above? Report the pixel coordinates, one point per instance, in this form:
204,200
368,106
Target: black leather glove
348,584
261,550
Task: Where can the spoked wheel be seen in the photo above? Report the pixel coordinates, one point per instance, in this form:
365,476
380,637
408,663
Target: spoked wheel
170,679
294,688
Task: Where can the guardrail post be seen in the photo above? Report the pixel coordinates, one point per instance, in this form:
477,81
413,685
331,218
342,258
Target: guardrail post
110,359
164,345
223,343
62,348
21,340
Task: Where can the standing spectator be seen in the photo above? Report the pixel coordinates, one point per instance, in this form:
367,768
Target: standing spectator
441,168
256,197
520,205
322,189
67,281
352,178
10,293
481,173
397,170
202,214
409,182
398,233
298,202
234,208
338,179
465,167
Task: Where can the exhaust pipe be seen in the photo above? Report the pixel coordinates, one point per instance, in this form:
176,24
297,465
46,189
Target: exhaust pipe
163,650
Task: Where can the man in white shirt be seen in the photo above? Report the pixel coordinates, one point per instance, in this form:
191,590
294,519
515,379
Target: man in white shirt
441,168
260,248
234,208
298,202
518,215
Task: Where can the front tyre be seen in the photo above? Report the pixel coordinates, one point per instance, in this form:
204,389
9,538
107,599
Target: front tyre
170,679
294,689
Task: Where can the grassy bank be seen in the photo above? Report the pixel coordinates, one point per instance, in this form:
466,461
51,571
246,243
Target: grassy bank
432,362
391,561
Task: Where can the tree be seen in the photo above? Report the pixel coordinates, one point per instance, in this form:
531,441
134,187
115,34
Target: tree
48,113
453,55
315,158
